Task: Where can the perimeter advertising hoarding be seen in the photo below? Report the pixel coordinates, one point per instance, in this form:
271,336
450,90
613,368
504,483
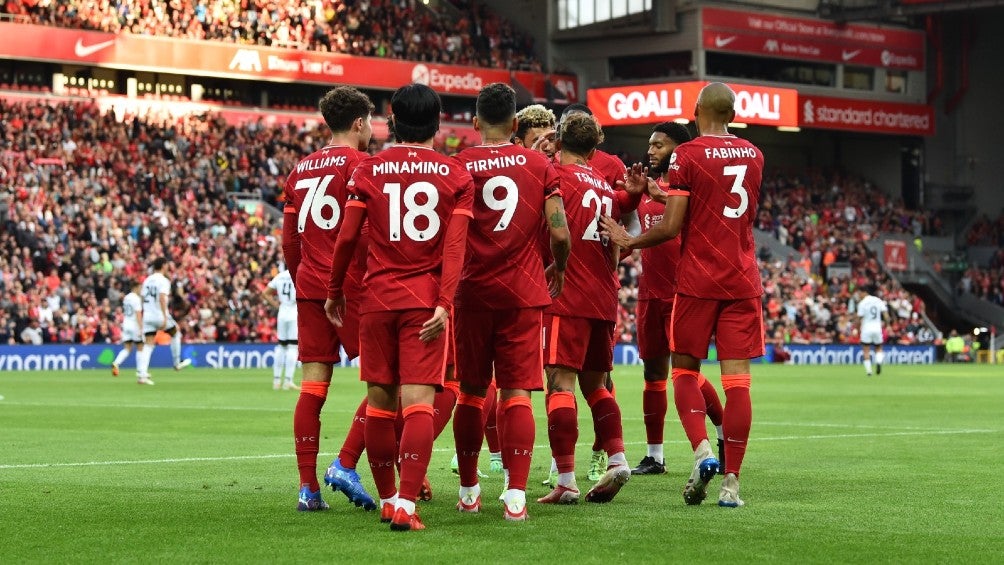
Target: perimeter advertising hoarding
220,59
63,357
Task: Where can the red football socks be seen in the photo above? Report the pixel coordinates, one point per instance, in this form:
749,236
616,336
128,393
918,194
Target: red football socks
355,440
712,404
654,404
690,405
517,439
442,407
415,450
307,430
381,449
607,421
562,429
737,421
468,433
492,432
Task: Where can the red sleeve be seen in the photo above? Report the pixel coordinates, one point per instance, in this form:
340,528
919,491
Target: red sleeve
626,201
290,235
552,182
453,257
345,245
679,171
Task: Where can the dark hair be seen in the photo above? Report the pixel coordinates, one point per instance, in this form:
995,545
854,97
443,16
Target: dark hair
576,108
343,105
579,134
677,132
159,263
496,104
416,109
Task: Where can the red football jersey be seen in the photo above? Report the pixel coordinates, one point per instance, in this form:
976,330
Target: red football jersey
590,283
609,167
659,263
722,175
504,267
315,191
410,193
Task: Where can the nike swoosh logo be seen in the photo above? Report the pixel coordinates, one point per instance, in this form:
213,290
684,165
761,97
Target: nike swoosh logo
848,55
81,50
735,440
692,411
723,41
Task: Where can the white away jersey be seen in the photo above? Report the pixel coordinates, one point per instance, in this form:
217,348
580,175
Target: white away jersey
284,287
154,285
131,305
870,309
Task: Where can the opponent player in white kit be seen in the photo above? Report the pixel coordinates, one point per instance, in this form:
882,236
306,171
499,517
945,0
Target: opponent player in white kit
132,322
872,311
156,317
287,351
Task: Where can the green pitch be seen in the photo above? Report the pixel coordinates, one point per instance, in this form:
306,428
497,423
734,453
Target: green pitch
904,467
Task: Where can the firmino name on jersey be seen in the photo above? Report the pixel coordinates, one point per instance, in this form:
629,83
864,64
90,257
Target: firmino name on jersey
496,163
411,168
592,181
729,153
322,163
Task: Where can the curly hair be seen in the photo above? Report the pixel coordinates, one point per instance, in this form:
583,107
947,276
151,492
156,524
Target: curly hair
341,106
534,116
579,133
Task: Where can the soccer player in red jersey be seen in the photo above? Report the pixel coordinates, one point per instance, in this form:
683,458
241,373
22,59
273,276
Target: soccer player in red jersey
714,184
579,324
656,289
418,204
535,129
315,196
502,295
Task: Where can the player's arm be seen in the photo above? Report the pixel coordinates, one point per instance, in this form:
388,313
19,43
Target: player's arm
139,316
345,247
668,228
561,243
290,235
162,298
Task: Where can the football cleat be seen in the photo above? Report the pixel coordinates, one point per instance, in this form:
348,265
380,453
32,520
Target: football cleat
289,386
425,493
184,363
310,501
721,456
561,495
347,481
402,521
276,385
728,497
386,512
705,467
469,503
514,509
649,466
115,370
144,381
609,484
597,465
495,464
551,480
878,368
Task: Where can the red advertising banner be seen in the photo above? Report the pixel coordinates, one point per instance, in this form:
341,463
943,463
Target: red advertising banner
869,116
895,255
776,35
654,103
217,59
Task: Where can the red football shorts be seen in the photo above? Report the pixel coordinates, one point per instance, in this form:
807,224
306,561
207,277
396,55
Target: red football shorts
392,354
653,327
736,324
583,344
319,339
506,340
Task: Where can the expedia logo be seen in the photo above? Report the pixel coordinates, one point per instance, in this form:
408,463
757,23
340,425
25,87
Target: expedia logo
446,82
892,59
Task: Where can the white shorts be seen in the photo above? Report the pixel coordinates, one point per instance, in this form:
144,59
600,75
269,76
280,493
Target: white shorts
871,337
151,324
286,329
131,333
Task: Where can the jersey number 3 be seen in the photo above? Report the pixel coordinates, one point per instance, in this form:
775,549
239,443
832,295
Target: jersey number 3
738,171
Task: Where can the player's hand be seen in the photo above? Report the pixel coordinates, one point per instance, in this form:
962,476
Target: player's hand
434,325
656,193
334,309
545,143
555,280
615,232
636,179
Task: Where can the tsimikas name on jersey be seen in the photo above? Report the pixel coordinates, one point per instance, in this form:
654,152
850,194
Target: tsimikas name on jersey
321,163
592,181
411,168
730,153
507,161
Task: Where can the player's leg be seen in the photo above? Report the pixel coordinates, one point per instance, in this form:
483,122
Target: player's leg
692,323
144,356
739,337
492,431
421,369
564,353
122,355
175,332
605,411
653,347
381,443
292,354
866,356
474,356
879,358
279,363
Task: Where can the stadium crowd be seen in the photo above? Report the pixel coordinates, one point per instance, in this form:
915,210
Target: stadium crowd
371,28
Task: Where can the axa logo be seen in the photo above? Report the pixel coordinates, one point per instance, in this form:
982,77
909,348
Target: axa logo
771,46
246,61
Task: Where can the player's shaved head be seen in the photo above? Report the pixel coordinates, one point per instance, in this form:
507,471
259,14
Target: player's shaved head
416,109
496,104
718,99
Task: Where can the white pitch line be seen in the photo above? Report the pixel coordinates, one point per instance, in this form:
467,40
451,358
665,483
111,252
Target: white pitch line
450,449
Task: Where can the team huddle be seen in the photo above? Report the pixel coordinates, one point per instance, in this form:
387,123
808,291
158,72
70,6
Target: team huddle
452,278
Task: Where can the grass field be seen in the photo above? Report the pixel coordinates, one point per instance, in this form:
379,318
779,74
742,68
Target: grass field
905,467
